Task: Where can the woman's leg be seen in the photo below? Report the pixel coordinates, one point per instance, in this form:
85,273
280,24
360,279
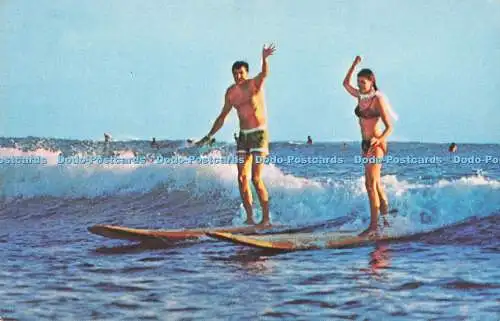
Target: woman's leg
372,184
371,171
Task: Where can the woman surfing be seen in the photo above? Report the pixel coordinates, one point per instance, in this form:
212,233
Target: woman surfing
372,107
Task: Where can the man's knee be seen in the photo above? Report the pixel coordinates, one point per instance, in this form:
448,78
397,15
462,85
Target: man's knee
243,179
256,180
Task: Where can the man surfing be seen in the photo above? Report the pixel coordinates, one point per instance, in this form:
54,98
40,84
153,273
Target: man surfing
246,96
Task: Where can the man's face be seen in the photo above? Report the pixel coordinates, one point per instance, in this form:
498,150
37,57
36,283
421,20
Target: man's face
240,75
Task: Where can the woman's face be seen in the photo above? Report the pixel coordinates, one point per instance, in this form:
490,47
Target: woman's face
364,84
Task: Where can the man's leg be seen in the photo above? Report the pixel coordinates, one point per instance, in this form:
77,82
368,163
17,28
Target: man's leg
260,188
244,185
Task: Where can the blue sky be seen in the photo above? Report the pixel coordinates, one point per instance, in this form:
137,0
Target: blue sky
138,69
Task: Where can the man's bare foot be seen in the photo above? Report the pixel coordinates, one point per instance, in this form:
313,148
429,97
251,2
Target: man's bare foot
249,221
265,222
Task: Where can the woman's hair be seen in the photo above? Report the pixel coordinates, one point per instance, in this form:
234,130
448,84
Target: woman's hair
367,73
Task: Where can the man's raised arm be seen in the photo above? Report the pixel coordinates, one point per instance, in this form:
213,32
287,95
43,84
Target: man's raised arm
266,52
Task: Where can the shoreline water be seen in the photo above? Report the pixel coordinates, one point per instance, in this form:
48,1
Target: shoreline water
53,268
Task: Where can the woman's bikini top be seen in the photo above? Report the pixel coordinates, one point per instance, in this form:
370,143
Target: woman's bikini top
370,111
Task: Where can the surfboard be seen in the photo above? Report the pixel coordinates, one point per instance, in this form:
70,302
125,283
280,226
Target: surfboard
304,241
142,235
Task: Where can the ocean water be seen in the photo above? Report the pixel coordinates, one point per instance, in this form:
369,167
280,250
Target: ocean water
52,268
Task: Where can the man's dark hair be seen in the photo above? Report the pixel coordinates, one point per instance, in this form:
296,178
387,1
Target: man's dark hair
238,64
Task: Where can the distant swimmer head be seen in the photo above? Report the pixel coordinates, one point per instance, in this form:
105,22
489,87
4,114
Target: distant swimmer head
366,81
154,144
240,71
453,148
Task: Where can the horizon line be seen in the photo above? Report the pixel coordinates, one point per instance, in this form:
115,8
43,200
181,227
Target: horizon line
289,141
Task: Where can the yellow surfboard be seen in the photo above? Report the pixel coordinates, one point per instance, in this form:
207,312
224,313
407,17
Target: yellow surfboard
304,241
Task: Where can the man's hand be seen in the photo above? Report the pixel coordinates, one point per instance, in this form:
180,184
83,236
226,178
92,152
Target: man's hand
266,52
202,141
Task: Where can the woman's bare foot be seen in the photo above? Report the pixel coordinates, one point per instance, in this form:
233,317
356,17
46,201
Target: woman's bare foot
369,232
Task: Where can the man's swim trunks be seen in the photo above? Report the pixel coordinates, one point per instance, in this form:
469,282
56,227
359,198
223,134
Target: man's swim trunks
253,140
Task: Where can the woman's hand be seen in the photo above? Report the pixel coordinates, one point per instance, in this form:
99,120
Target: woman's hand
374,141
356,61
